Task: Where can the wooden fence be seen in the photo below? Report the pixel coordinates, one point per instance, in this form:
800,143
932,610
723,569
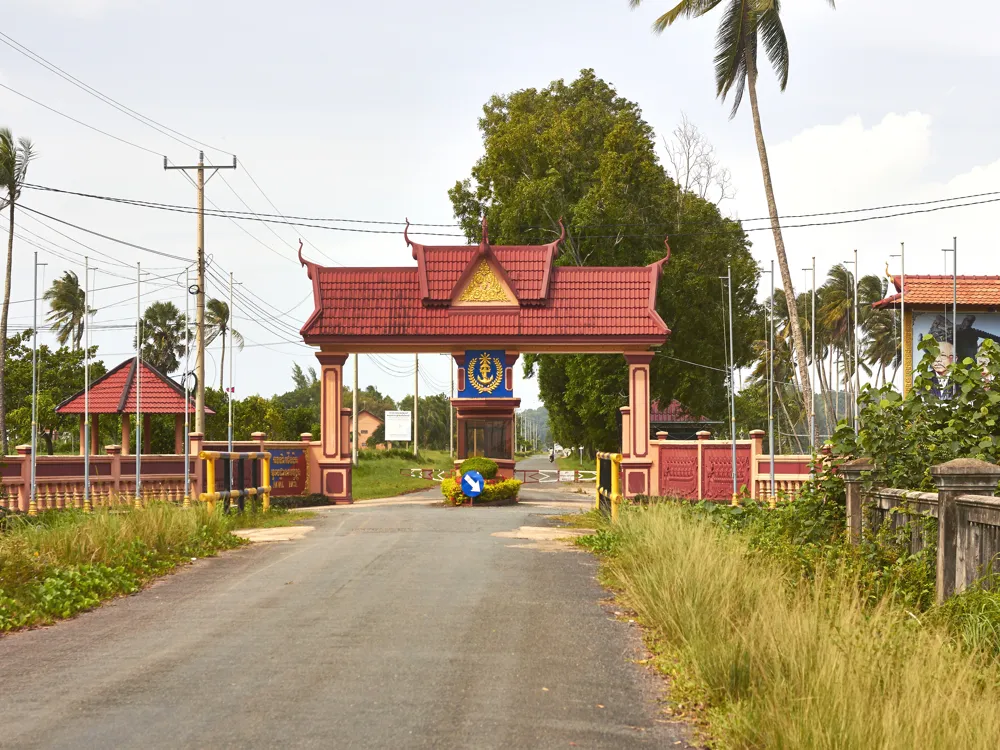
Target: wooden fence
963,518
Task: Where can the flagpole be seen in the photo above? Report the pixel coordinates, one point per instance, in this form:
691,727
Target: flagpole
138,378
86,384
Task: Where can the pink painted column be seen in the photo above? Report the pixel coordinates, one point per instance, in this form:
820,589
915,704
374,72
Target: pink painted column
115,451
126,437
334,459
83,435
179,434
637,468
24,493
198,472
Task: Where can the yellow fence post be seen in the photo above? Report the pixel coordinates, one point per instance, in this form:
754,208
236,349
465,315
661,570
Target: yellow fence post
209,496
265,475
597,482
616,498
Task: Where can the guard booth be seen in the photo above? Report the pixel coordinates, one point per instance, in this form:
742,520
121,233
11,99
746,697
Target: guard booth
484,305
485,407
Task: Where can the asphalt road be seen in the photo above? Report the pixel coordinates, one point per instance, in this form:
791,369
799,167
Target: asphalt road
389,626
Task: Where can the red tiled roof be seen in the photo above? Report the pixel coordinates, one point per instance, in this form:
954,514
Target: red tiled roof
675,412
114,393
566,305
582,302
983,291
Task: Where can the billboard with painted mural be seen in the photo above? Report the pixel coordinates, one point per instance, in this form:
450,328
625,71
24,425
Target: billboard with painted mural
955,343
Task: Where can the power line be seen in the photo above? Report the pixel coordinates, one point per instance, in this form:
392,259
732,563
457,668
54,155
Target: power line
138,116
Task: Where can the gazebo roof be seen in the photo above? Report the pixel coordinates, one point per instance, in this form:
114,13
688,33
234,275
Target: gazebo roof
506,296
980,291
114,393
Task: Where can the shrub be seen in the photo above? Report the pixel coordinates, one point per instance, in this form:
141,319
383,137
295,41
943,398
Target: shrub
373,455
484,466
504,489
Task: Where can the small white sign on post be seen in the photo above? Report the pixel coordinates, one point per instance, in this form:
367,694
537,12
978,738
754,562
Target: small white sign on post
399,425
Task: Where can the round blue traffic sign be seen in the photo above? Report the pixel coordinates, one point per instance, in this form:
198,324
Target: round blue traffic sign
472,484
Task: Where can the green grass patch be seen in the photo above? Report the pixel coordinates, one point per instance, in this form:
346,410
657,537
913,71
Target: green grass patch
780,658
382,477
63,562
572,463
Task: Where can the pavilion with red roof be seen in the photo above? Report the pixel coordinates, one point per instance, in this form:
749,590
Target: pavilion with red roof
115,393
927,302
474,301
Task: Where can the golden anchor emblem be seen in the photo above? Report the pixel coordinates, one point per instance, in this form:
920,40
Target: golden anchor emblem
487,376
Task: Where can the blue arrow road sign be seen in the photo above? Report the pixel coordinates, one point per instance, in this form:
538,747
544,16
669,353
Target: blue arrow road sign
472,484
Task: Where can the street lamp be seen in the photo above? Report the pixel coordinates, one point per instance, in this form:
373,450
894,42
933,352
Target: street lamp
954,295
581,455
902,301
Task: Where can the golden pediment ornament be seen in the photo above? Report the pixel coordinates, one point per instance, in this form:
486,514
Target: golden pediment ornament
484,286
485,373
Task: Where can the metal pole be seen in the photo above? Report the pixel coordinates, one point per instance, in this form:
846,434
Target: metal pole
416,399
199,316
732,379
857,345
770,382
451,413
229,427
812,371
33,503
138,373
954,298
187,389
86,383
902,303
354,414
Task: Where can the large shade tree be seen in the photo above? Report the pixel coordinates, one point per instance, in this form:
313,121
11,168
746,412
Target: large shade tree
745,27
67,308
15,155
580,152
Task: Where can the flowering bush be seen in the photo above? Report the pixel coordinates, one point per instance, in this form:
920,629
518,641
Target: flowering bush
503,489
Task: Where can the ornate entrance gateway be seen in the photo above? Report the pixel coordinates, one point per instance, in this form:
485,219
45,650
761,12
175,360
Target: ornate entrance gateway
485,305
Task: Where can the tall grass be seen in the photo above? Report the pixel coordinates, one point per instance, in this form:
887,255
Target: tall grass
63,562
790,663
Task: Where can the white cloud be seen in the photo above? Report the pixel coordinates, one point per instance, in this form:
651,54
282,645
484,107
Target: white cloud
848,166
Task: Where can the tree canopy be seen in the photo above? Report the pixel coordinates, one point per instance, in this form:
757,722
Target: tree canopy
580,152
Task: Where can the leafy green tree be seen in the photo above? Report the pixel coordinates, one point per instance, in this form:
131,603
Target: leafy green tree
579,151
433,415
67,308
301,405
163,336
747,26
14,159
60,375
217,325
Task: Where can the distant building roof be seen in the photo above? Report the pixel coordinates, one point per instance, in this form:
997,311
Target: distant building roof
977,291
114,393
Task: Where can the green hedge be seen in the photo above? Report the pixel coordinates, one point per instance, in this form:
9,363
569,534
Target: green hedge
504,489
484,466
370,455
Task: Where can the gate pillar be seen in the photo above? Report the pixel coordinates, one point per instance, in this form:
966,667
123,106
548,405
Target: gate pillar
335,451
636,468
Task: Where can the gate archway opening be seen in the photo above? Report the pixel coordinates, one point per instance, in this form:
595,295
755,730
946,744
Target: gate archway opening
486,305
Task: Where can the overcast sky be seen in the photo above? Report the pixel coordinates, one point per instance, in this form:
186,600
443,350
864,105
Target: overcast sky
369,111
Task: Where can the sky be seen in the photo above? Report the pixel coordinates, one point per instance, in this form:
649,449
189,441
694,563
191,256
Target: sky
369,111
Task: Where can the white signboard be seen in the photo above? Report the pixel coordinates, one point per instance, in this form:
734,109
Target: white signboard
398,425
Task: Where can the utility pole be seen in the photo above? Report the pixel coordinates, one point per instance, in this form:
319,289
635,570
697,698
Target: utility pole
231,323
732,379
770,381
857,346
33,502
354,414
199,416
416,399
86,384
138,373
812,374
187,388
902,301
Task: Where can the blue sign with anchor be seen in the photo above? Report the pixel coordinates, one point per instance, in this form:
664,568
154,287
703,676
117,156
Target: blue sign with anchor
484,374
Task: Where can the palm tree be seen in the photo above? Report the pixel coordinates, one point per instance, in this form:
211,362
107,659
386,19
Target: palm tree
68,305
14,159
162,329
882,345
216,325
745,25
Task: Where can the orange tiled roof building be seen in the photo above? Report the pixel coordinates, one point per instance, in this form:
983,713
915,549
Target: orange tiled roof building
927,303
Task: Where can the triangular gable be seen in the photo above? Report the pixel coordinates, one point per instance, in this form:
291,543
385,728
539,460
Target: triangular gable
114,393
484,282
